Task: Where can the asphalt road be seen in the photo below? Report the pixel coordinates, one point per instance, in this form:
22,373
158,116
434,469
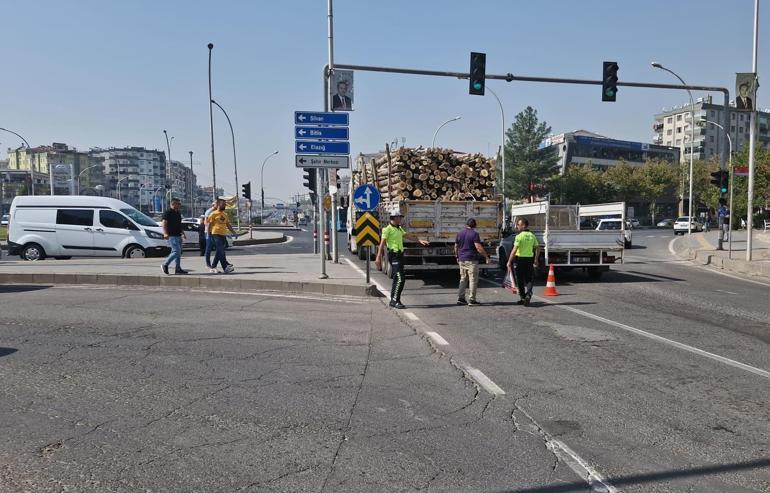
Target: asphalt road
657,377
149,390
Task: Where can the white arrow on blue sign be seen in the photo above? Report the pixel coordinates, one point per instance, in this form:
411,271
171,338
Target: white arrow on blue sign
320,118
366,197
328,133
321,147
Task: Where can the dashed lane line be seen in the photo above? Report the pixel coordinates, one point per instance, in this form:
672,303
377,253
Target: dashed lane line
484,381
436,337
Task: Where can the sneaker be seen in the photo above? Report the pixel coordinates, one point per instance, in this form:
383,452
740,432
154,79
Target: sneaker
398,306
229,269
527,300
181,271
213,270
164,268
461,301
392,303
520,302
473,303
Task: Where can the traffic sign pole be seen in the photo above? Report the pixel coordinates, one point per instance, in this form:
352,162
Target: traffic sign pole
322,228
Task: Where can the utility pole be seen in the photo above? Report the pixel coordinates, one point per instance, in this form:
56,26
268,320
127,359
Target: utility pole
211,131
192,187
752,143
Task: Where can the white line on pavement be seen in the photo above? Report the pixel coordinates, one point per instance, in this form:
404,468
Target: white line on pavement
714,271
360,271
671,247
726,292
437,338
410,316
649,335
484,381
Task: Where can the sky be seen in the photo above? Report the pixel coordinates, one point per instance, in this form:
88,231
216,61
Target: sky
96,73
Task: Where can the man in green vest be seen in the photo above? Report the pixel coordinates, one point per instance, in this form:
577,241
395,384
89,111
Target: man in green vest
525,254
393,239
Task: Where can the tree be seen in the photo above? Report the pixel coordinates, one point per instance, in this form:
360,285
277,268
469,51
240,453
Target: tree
620,178
654,179
580,185
528,166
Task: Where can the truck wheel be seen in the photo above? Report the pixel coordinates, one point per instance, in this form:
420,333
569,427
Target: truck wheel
32,252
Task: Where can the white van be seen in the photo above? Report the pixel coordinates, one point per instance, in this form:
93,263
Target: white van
61,226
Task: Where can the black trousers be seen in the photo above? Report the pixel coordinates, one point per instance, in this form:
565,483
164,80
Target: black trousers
525,273
396,260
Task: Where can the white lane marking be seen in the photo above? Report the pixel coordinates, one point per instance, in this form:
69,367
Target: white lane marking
691,349
726,292
653,236
596,481
410,316
671,248
437,338
714,271
363,274
484,381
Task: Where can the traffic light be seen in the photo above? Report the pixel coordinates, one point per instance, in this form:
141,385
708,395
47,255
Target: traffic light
337,179
309,175
720,179
246,191
610,81
478,73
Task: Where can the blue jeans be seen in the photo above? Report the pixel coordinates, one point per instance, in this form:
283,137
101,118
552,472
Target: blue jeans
175,242
220,241
207,252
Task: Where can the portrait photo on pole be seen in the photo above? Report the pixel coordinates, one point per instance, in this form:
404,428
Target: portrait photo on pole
342,90
745,91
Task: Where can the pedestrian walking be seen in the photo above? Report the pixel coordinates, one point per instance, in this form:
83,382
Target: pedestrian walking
468,251
393,239
202,237
218,224
524,257
173,233
723,216
209,241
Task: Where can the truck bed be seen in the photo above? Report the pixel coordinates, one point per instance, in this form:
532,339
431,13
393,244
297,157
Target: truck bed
439,222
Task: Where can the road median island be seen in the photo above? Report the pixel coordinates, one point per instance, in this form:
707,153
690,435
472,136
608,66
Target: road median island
281,273
695,252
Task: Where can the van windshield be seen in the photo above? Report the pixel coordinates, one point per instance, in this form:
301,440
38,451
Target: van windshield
139,217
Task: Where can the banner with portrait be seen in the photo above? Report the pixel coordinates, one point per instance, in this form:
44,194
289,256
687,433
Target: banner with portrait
342,90
745,91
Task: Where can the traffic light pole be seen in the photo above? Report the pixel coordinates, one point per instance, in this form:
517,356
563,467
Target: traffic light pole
548,80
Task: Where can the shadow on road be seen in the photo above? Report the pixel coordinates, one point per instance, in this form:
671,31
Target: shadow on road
652,477
5,351
21,288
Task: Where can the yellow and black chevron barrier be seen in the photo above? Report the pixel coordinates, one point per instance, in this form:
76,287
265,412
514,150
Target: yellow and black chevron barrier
367,230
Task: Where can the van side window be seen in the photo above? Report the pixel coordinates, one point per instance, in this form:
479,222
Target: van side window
75,217
111,219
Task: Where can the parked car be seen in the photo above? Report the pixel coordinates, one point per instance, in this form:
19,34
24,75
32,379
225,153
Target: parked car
666,223
4,220
680,225
613,225
190,228
62,226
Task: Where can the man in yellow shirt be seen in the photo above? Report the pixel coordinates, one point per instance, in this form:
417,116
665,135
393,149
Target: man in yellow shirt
218,223
393,238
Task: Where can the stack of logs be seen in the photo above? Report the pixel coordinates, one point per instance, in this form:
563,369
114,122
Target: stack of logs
431,174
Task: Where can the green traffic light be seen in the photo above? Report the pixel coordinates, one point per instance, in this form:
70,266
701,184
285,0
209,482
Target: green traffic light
610,93
477,85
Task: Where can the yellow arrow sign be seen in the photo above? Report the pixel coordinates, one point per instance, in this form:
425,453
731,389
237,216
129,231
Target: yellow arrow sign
367,230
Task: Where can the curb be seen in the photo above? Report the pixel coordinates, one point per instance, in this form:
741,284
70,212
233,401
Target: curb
193,282
755,268
263,241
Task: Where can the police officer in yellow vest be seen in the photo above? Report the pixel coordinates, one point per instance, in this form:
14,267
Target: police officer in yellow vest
393,238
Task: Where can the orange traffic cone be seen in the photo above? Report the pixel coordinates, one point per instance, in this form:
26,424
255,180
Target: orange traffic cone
550,285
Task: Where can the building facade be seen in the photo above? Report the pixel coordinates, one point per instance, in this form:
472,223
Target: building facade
583,147
672,128
73,171
135,175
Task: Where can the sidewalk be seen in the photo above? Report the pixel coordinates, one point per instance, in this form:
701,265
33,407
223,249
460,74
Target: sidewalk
295,273
702,249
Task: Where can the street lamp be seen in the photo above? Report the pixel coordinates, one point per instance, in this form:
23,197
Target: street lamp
692,140
192,187
155,194
502,143
117,185
211,130
32,172
433,145
83,171
262,187
169,166
730,164
235,163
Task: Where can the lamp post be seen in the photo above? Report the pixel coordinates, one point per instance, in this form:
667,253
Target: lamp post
32,172
83,171
752,143
235,163
730,206
502,144
118,185
433,145
192,187
692,140
155,194
211,131
169,167
262,187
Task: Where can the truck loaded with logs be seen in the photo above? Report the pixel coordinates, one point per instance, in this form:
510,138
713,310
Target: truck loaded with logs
436,190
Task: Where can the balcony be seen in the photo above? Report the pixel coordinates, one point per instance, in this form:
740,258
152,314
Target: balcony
657,126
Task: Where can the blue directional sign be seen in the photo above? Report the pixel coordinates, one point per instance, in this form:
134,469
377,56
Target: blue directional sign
320,118
328,133
321,147
366,197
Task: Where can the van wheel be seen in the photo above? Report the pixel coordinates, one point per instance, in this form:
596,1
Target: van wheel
32,252
134,251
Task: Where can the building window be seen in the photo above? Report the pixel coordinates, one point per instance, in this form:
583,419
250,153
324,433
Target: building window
669,132
679,118
740,129
678,130
678,141
732,128
711,138
741,116
712,113
670,119
732,116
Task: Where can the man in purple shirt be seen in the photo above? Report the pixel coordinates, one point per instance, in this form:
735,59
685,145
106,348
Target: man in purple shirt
468,250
